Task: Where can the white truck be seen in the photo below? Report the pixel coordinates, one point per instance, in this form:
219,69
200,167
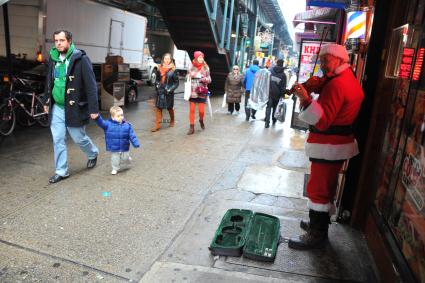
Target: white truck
98,29
182,61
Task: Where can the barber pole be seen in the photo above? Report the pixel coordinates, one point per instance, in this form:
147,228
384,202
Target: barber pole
356,25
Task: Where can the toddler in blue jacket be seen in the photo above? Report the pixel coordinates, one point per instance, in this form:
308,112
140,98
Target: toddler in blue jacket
118,135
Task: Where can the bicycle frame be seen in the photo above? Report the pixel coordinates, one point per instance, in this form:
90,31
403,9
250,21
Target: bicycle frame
17,102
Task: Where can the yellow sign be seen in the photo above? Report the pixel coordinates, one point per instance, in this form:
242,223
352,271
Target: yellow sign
259,54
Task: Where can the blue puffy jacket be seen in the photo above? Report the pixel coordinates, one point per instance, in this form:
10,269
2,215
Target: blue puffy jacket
249,77
117,136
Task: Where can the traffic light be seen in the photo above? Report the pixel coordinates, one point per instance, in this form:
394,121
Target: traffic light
248,43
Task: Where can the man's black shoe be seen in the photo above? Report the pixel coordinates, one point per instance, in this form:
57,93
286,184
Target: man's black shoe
247,118
267,125
91,163
57,178
253,116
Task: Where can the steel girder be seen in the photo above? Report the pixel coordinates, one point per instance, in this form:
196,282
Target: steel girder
269,12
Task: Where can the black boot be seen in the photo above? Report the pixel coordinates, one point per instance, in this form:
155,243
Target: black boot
305,225
317,232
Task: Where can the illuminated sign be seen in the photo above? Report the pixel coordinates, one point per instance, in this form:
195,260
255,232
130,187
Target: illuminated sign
356,25
309,50
406,63
418,64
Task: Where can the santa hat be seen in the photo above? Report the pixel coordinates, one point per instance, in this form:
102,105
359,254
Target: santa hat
335,50
196,54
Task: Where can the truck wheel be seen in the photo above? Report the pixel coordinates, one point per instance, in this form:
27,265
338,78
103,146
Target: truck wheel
152,79
132,95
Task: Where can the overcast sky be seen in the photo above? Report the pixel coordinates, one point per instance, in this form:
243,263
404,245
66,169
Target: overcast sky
289,9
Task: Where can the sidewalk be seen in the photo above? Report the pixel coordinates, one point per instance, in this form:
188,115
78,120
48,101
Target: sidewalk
154,222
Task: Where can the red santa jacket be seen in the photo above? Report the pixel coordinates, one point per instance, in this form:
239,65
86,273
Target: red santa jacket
332,114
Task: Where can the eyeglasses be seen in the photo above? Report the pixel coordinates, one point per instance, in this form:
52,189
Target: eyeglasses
235,68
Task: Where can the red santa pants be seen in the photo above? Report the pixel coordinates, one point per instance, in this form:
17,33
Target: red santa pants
323,181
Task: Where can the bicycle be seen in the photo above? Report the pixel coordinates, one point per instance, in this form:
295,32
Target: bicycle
30,108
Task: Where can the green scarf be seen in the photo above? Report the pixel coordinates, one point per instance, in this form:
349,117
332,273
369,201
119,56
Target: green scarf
60,74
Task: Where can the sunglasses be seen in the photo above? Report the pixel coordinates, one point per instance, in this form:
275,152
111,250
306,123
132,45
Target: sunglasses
235,68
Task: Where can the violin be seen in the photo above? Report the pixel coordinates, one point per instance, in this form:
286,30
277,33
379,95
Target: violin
313,84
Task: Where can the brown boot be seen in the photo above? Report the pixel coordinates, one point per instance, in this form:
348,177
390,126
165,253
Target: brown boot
316,235
202,124
171,111
191,130
157,126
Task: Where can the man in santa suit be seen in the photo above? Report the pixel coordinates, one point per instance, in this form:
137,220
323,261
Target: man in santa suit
330,141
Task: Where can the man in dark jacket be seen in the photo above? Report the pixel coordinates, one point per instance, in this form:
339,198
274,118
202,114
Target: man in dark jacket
277,90
71,100
247,84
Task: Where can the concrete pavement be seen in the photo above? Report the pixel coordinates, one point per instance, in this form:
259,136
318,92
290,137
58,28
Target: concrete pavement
154,222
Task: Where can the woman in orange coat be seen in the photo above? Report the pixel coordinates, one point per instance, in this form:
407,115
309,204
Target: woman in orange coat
166,84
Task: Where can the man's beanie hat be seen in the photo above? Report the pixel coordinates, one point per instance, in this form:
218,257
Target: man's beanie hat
335,50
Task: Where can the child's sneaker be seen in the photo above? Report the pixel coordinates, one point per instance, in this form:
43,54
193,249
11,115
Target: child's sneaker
114,172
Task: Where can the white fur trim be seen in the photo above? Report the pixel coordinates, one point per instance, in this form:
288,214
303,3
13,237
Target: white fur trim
332,151
319,206
341,68
312,114
336,50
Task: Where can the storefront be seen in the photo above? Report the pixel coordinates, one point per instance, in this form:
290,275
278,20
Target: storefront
390,178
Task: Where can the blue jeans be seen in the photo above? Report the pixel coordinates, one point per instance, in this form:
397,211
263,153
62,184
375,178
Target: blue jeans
78,135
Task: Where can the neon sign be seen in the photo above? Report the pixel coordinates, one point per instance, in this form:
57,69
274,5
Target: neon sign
418,64
406,63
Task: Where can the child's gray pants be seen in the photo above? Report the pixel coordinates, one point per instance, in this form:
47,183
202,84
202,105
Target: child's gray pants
120,158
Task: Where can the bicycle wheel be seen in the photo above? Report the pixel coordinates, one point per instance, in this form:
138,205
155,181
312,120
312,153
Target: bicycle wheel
7,120
42,118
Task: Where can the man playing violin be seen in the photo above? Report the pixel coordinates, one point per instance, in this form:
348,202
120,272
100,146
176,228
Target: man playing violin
330,141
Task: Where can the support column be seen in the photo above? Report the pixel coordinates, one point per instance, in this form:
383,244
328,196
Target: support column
235,47
223,28
229,31
253,34
242,54
214,15
7,40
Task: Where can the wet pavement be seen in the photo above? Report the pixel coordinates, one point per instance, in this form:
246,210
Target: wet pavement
155,221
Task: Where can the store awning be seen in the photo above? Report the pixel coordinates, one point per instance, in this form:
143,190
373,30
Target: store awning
339,4
320,15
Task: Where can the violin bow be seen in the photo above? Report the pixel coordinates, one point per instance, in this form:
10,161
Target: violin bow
324,34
